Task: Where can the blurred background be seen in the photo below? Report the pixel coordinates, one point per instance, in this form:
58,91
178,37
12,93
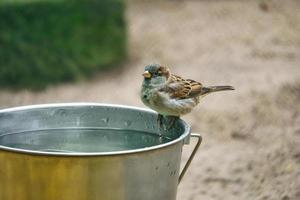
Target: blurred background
95,51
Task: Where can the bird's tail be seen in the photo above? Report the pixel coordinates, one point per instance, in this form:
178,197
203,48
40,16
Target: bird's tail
210,89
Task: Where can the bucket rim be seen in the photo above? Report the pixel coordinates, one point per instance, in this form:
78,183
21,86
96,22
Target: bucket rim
185,134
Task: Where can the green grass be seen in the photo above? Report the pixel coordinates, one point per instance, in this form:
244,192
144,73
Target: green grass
47,42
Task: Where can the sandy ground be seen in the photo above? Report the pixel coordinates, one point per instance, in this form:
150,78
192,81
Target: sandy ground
251,137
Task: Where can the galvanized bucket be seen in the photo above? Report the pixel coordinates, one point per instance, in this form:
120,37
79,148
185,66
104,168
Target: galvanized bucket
89,152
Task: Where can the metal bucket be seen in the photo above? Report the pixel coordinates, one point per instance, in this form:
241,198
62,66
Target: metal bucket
89,152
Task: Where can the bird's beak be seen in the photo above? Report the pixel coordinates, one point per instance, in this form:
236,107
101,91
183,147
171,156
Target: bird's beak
146,74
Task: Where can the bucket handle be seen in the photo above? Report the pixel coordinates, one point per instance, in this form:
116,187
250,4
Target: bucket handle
199,140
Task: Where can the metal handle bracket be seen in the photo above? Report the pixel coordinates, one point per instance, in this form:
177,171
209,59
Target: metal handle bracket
199,140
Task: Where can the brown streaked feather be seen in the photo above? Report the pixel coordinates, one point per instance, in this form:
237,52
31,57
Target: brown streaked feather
196,88
182,88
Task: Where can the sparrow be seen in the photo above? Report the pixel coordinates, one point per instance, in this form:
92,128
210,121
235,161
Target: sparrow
171,95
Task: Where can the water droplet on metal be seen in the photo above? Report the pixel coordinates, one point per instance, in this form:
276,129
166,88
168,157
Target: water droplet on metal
172,173
61,112
78,120
160,139
128,123
147,125
153,127
105,120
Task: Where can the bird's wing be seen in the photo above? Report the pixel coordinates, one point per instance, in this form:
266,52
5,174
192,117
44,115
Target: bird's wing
180,88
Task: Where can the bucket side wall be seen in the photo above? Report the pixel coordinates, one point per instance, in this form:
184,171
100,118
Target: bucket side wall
145,175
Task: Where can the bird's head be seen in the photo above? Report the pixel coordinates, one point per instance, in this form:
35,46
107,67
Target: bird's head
156,74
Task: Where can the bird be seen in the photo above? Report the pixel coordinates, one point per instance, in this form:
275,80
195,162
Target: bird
171,95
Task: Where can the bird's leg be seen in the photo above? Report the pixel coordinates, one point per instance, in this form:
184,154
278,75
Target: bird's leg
160,121
171,121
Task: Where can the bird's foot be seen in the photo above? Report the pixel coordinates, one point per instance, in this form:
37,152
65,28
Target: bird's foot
160,123
171,122
160,120
167,123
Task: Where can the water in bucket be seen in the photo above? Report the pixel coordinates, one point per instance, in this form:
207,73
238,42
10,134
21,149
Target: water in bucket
82,140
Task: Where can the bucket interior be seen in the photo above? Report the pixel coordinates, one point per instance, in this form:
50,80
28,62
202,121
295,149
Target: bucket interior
84,128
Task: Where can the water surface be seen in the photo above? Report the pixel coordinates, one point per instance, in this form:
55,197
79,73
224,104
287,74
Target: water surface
82,140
